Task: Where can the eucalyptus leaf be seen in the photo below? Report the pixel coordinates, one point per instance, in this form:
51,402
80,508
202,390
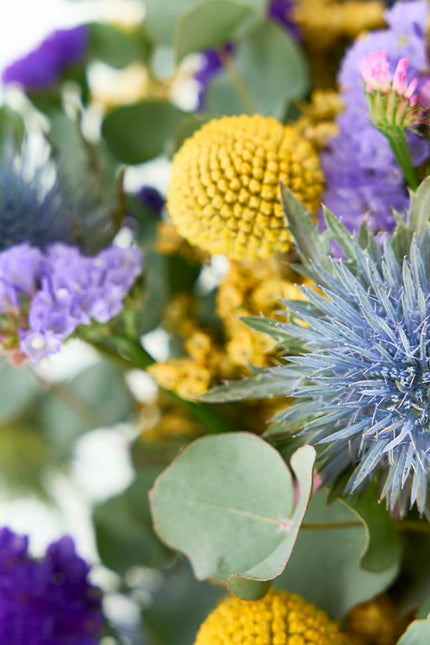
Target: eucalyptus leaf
116,47
418,633
219,18
227,502
269,69
18,388
137,133
382,550
325,564
162,18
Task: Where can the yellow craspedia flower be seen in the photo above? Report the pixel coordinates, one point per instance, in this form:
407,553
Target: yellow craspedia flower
224,188
280,618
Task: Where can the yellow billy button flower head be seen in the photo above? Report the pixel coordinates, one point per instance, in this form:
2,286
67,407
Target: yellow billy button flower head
224,189
280,618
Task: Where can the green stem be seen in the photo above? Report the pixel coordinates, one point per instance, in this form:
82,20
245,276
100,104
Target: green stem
401,525
237,82
399,145
132,355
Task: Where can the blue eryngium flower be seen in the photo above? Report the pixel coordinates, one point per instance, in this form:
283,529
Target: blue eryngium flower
34,206
361,385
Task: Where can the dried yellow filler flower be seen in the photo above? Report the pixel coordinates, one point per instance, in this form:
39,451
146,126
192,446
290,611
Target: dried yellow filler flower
280,618
224,187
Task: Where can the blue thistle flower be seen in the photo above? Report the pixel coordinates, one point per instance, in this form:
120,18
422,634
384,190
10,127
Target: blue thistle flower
361,385
33,206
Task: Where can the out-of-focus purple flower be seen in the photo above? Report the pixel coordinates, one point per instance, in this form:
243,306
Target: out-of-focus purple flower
363,179
62,289
211,65
42,67
281,11
152,199
48,601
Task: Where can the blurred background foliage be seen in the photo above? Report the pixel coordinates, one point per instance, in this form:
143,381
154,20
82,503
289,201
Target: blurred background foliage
130,103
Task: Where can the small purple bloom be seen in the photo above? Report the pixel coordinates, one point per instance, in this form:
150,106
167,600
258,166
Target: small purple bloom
50,293
363,179
152,199
281,11
211,65
41,68
48,601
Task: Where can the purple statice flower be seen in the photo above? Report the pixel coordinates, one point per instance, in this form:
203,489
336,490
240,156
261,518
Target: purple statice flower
211,65
363,179
60,289
152,199
41,68
48,601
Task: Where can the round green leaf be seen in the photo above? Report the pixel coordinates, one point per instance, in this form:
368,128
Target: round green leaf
325,564
116,47
273,72
220,19
139,132
227,502
382,549
418,633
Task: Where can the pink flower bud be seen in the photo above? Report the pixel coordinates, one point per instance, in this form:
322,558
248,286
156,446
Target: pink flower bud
375,71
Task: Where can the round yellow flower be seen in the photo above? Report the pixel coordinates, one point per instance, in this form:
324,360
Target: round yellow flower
280,618
224,188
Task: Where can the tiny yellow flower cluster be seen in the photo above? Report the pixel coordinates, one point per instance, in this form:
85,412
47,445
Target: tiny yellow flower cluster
253,289
250,289
224,187
162,421
280,618
317,123
324,23
375,622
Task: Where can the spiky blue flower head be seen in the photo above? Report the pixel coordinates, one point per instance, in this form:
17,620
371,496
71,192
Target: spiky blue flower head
34,207
361,385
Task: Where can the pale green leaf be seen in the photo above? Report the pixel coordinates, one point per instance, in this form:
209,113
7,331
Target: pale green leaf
209,24
418,633
227,502
270,71
382,548
325,564
139,132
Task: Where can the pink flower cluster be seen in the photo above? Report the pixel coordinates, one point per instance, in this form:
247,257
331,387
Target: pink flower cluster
393,100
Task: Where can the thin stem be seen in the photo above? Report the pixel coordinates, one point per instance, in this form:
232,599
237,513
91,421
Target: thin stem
415,526
237,82
132,354
399,145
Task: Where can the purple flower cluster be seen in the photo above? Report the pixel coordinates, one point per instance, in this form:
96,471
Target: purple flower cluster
362,176
45,295
42,67
48,601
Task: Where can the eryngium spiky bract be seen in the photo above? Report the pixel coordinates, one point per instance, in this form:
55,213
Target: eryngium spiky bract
45,199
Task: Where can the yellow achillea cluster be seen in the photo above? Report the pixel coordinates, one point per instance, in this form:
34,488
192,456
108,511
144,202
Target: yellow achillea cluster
280,618
323,23
253,289
375,622
224,187
249,289
317,123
